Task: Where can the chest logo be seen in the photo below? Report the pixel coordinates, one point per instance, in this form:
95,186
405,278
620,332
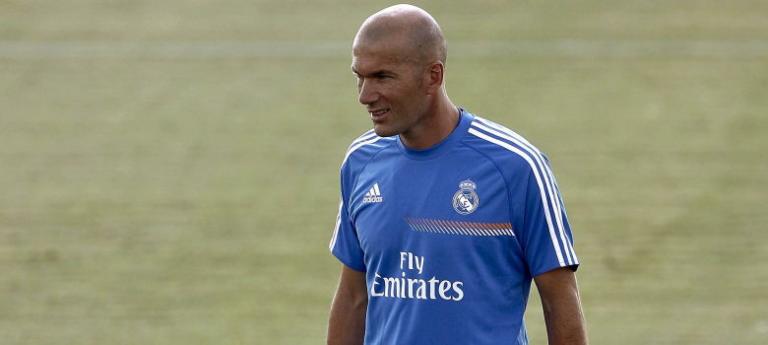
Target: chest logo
466,201
373,195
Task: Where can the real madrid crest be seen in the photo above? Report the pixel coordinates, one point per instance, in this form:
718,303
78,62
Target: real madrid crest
465,201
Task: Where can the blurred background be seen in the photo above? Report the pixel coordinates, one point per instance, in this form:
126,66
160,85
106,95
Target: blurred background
168,169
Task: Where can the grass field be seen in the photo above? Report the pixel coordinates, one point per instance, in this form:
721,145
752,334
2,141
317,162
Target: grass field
169,170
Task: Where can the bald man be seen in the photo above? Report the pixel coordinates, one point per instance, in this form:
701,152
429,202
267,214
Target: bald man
445,217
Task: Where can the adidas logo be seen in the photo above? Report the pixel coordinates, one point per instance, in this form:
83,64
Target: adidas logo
373,195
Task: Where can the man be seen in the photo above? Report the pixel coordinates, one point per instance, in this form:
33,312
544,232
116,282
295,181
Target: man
445,217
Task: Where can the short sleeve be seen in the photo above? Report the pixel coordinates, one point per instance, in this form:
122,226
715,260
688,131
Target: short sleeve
345,245
545,237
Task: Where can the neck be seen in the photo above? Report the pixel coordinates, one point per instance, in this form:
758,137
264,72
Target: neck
436,125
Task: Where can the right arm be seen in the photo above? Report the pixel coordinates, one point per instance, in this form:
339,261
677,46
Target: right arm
346,325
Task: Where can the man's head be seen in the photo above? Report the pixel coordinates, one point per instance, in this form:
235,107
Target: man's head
399,57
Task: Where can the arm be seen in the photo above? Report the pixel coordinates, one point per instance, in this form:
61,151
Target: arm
346,325
562,307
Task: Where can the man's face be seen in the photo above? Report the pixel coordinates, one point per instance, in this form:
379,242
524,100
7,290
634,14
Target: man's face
390,87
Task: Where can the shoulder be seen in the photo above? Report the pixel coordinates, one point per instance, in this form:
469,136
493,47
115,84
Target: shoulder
510,151
363,148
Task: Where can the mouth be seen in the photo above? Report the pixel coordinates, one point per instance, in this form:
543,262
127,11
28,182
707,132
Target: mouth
378,114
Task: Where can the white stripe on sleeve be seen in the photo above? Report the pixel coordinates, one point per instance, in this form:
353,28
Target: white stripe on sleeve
553,236
548,179
336,228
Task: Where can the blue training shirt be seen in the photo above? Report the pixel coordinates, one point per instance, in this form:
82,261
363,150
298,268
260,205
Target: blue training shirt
450,237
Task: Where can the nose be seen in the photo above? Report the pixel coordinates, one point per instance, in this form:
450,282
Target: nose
366,93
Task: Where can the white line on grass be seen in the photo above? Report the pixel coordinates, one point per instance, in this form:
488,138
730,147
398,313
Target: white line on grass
565,48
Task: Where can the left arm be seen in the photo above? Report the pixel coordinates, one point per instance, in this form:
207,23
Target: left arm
562,307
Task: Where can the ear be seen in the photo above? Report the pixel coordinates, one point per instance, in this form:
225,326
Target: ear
434,77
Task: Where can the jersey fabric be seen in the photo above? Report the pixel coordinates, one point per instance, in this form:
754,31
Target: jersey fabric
450,237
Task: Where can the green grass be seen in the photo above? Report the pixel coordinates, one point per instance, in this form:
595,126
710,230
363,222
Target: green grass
190,200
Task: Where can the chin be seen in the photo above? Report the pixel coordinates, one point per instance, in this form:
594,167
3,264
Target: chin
384,131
